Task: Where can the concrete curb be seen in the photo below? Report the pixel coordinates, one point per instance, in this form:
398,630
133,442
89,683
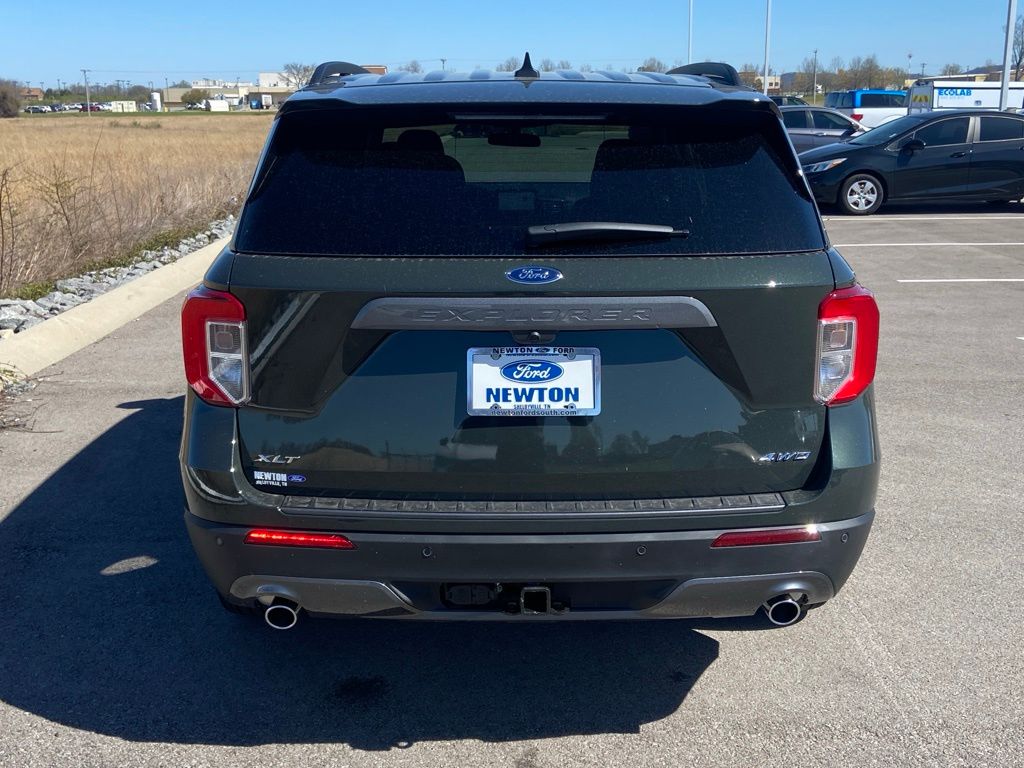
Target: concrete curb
39,347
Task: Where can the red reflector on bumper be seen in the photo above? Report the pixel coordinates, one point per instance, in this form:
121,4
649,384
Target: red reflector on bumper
770,536
298,539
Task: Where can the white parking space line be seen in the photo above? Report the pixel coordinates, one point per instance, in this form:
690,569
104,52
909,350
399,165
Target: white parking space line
967,280
924,217
910,245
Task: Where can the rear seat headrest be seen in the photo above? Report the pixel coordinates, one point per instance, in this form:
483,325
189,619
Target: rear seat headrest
420,140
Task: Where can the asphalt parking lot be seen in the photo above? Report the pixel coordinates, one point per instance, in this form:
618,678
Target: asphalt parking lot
114,651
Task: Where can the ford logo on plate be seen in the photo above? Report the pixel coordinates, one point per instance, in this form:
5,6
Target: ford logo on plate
533,275
527,371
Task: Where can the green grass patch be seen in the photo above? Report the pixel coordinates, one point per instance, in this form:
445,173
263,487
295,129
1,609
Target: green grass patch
32,291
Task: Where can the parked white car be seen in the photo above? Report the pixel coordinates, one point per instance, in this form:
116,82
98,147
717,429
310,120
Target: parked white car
869,107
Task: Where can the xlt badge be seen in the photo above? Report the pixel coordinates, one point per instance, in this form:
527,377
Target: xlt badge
276,459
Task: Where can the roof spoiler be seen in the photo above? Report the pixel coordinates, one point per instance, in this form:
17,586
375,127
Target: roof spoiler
719,72
335,69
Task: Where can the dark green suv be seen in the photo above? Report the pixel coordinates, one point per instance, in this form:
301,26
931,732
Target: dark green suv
523,345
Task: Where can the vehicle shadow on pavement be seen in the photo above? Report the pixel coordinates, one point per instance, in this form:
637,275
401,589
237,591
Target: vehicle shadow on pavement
109,625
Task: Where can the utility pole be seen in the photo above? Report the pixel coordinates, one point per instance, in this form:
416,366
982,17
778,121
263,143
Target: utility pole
910,68
58,85
1011,29
689,34
444,63
814,86
767,42
88,104
164,105
923,65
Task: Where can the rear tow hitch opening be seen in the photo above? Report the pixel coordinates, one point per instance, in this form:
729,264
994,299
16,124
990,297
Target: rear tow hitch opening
537,600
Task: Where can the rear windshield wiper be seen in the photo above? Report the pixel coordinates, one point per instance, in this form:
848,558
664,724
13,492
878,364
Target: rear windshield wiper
589,231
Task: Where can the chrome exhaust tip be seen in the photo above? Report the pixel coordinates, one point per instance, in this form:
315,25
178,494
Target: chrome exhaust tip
783,611
282,615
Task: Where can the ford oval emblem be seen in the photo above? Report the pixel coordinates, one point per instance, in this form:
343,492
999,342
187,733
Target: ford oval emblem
533,275
530,371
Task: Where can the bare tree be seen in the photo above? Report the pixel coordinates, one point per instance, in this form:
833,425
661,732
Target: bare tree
511,64
297,75
412,66
951,69
547,65
749,74
564,64
586,68
803,81
9,101
855,72
1018,48
653,64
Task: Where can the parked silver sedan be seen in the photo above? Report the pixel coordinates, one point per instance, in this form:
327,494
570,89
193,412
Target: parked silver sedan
810,127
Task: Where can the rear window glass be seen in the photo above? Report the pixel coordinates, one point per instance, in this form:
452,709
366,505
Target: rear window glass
795,118
342,183
1001,129
881,99
829,122
847,100
944,132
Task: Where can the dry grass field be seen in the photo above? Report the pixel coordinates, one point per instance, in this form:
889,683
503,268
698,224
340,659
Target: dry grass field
84,190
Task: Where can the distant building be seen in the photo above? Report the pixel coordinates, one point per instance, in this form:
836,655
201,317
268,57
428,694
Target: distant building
207,82
268,92
31,94
753,79
271,80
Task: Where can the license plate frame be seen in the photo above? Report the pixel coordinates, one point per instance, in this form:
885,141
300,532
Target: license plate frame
575,364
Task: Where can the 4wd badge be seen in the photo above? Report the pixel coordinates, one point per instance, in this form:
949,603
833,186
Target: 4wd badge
771,458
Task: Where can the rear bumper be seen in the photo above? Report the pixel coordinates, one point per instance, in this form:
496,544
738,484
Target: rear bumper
634,563
595,576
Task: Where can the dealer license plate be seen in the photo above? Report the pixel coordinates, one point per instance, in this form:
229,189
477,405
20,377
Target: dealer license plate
534,381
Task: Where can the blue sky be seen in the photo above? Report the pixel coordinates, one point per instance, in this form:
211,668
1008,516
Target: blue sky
146,41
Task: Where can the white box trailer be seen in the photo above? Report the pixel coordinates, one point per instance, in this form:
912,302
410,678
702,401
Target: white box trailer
217,105
927,95
124,106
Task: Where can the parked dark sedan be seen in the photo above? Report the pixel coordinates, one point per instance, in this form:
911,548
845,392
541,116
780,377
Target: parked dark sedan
948,155
810,127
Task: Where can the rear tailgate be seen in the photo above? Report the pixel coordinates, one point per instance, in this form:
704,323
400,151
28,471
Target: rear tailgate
373,256
717,402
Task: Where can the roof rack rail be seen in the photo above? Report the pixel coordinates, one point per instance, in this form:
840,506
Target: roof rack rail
717,71
334,69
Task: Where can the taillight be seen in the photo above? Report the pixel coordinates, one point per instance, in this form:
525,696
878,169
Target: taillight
847,345
298,539
767,536
857,116
213,341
